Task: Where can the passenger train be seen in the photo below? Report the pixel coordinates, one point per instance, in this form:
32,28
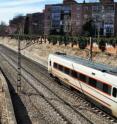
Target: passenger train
97,81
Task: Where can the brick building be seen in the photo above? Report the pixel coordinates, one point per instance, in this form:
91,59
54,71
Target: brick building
58,18
15,23
36,23
70,16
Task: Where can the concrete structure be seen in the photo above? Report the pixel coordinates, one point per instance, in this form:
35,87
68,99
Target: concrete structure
70,16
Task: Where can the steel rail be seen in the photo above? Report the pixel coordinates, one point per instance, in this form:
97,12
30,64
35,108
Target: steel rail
88,120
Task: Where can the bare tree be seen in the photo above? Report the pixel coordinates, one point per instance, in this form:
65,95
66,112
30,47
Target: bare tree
2,28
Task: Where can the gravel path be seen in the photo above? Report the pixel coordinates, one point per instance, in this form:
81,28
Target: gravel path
3,111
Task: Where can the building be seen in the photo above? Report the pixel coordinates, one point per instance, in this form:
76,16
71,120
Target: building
104,17
70,16
58,18
15,24
36,23
32,23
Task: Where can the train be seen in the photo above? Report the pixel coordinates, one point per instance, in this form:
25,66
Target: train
98,82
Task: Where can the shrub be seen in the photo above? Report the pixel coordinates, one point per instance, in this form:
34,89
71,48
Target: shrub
82,44
102,45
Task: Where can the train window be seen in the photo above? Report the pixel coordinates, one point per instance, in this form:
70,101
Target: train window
55,65
106,88
66,70
82,77
60,67
74,74
92,82
99,86
115,92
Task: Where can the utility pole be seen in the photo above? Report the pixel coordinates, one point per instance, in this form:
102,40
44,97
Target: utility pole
98,31
19,64
21,35
19,86
91,47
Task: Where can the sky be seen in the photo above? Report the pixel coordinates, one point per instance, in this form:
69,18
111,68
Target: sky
11,8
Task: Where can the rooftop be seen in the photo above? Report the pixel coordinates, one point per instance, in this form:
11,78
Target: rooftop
98,66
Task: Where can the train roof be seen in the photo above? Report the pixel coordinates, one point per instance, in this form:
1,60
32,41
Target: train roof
101,67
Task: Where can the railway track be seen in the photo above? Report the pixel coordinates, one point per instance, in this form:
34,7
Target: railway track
73,98
71,115
49,111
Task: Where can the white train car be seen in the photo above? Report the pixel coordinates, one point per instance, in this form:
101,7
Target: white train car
97,81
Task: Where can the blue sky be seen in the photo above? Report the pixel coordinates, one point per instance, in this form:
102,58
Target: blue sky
11,8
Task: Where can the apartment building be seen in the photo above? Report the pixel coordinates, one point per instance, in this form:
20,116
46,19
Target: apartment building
35,23
69,17
15,24
58,18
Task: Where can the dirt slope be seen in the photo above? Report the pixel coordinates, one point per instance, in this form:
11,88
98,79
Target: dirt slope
43,50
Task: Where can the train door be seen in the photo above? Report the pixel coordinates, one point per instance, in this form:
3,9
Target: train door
114,106
114,92
49,65
75,76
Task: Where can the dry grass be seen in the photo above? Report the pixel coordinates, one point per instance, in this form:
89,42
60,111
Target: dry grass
43,50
